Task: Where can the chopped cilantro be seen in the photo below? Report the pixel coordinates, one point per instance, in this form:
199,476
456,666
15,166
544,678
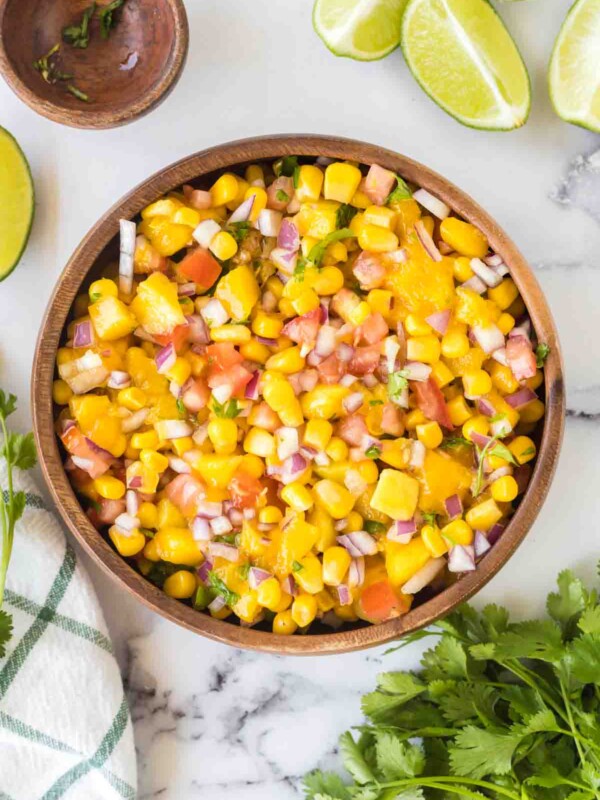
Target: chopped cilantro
375,402
180,407
239,230
492,448
401,192
373,451
108,19
429,517
243,570
79,35
288,165
221,588
46,66
282,197
203,598
296,176
318,250
498,417
529,452
455,441
373,527
78,93
297,566
542,351
300,268
397,383
345,215
229,410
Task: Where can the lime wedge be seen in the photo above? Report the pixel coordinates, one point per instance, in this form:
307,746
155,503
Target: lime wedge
362,29
574,72
16,202
465,59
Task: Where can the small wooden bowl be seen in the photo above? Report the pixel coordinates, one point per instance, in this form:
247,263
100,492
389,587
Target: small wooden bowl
100,246
125,76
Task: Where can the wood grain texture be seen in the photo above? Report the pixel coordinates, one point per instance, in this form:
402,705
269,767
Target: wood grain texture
101,245
156,31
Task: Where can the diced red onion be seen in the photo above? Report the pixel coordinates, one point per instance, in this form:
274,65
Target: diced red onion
444,248
461,558
173,429
284,260
83,335
489,276
226,551
494,533
325,311
353,402
288,237
489,338
397,256
198,198
217,604
118,379
494,260
416,371
344,595
454,506
292,468
201,530
521,397
186,289
417,454
358,543
220,525
100,451
402,531
522,475
127,523
209,510
354,482
391,348
501,472
484,406
427,241
308,452
326,341
356,572
82,463
134,482
308,379
480,439
175,389
340,524
269,222
204,568
132,502
331,620
475,284
345,352
179,465
200,435
198,332
433,204
256,576
480,544
322,459
249,513
243,211
268,342
347,380
501,427
289,586
287,442
126,251
165,358
439,320
370,381
500,356
214,313
424,576
251,390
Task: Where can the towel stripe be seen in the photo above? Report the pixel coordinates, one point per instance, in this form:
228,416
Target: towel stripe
31,500
69,624
107,745
57,591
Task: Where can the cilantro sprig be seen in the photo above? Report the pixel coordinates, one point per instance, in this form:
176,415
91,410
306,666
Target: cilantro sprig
109,18
317,252
492,448
220,587
229,410
397,383
79,35
401,192
500,709
18,451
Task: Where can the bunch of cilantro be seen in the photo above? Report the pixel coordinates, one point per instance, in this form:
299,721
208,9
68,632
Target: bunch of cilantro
18,451
499,710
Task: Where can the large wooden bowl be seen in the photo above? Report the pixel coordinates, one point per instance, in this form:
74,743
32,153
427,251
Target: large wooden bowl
101,245
125,76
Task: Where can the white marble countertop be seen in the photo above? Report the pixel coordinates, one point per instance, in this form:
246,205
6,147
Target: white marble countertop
211,721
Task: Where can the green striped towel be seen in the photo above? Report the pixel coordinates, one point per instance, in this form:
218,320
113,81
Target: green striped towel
65,730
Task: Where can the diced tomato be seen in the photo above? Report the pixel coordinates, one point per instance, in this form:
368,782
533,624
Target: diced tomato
245,490
392,420
195,395
109,510
280,192
222,356
373,329
365,360
201,267
521,358
378,184
352,429
331,369
236,378
343,302
380,602
179,336
94,463
185,492
263,416
369,270
304,329
431,402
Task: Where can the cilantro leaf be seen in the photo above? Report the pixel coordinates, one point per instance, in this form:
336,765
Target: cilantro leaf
221,588
79,35
344,215
288,165
316,253
6,629
373,527
455,441
570,600
229,410
373,452
354,761
78,93
297,566
401,192
19,450
108,19
397,383
180,407
239,230
584,658
542,351
8,404
282,196
325,783
478,752
397,759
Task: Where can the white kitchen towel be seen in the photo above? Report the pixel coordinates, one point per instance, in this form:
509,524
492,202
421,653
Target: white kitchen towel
65,729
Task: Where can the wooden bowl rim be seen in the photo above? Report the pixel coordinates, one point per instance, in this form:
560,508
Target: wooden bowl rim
227,156
87,117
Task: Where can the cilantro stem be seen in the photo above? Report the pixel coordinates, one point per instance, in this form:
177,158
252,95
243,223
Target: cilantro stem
442,781
7,514
571,721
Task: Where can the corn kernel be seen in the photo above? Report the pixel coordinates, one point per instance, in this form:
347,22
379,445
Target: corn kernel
380,300
477,424
463,237
462,269
430,434
414,418
267,325
504,489
341,182
297,496
255,175
305,302
110,488
532,412
367,470
483,516
223,246
147,514
455,344
458,532
476,383
283,624
180,371
103,288
423,348
252,465
415,326
504,294
503,378
224,189
129,545
441,374
360,313
336,561
335,252
223,434
506,322
329,281
535,382
310,182
183,445
318,433
381,216
181,584
459,410
396,494
259,442
260,201
334,498
255,351
287,361
236,334
354,522
377,239
147,440
433,541
523,449
132,398
337,449
304,610
268,593
270,515
154,460
61,392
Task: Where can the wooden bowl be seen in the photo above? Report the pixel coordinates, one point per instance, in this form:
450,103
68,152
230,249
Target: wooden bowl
125,76
101,246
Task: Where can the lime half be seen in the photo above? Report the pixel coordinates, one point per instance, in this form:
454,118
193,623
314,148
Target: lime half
574,73
465,59
16,202
362,29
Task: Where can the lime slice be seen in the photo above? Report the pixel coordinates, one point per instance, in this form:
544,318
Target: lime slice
465,59
16,202
362,29
575,66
